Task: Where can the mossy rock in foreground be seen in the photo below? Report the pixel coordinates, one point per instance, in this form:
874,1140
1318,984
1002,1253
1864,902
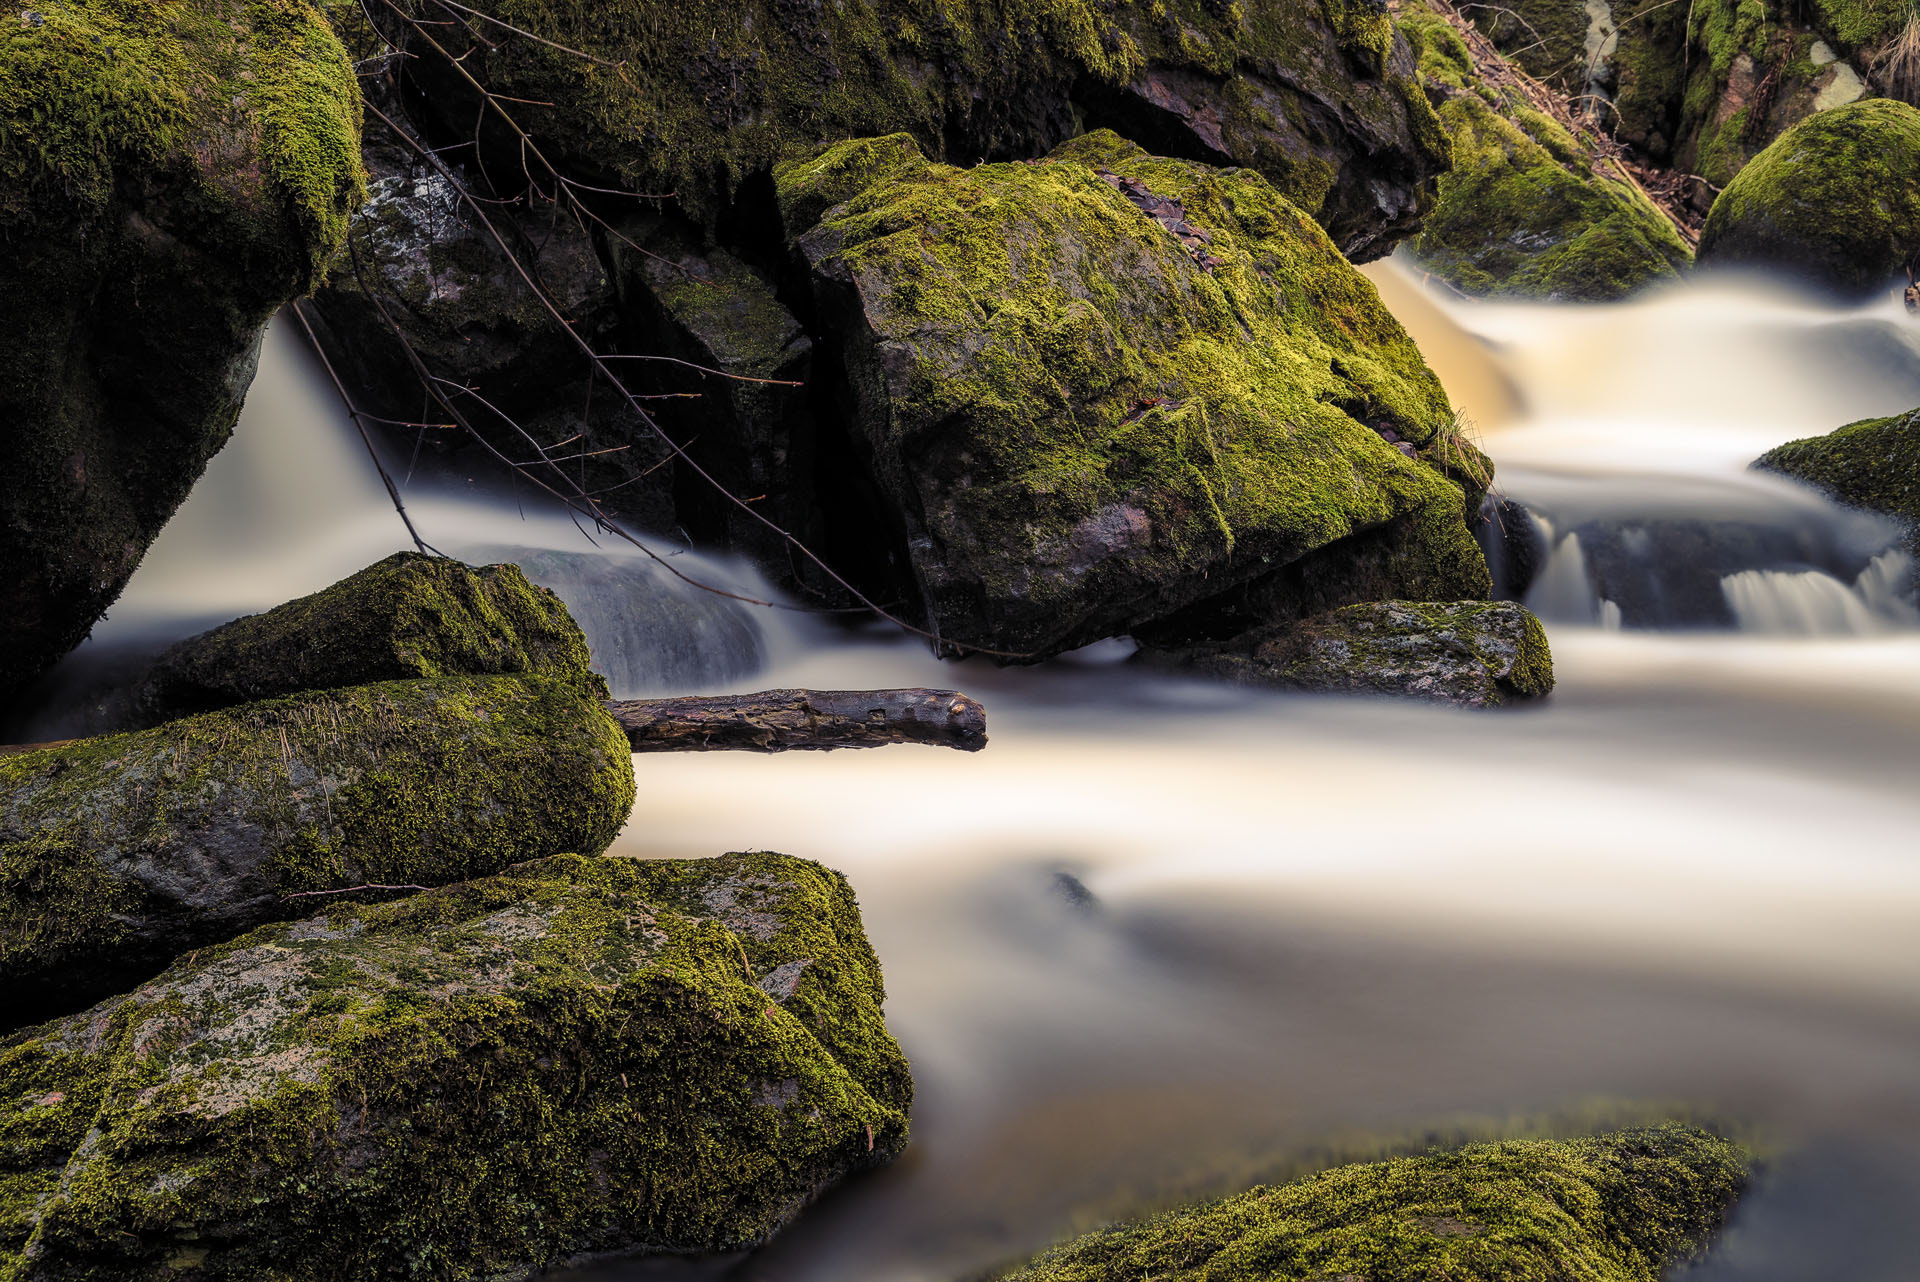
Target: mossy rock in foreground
1834,201
407,616
1474,654
120,852
1612,1208
576,1055
1873,464
1524,212
171,173
1103,387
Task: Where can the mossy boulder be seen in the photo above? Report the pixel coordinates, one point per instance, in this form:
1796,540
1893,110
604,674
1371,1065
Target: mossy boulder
1618,1207
1547,38
119,852
1475,654
408,616
1529,210
1873,464
1834,202
171,173
577,1055
1318,95
1101,388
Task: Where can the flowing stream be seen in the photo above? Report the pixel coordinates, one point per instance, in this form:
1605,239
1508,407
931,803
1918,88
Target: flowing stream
1164,938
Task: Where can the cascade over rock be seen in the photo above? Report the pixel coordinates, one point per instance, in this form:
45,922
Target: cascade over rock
170,175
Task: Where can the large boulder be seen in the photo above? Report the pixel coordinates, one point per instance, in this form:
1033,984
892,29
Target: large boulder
1873,464
1835,201
1101,388
1529,210
574,1056
1474,654
408,616
1619,1207
1318,95
119,852
170,175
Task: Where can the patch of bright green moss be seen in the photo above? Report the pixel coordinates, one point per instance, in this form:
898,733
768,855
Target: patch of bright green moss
576,1055
409,615
1087,423
1524,213
1834,201
121,851
1873,464
1614,1208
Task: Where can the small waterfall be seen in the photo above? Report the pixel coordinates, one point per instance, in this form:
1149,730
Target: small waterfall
1812,604
1564,592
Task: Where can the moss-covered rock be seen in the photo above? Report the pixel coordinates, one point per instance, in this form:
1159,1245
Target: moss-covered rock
576,1055
1548,38
171,172
1835,201
1317,94
1475,654
410,615
1613,1208
1528,211
1873,464
1101,388
119,852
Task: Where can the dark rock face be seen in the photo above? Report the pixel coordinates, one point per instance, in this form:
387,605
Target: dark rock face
574,1056
121,851
1873,465
1835,201
1317,95
409,616
1085,416
1473,654
145,250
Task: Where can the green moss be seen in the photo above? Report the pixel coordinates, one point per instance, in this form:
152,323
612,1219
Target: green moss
1527,212
1873,464
1089,423
409,615
576,1055
1835,201
119,852
1548,38
1613,1208
1862,24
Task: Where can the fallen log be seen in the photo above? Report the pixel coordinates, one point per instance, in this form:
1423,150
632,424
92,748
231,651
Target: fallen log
803,720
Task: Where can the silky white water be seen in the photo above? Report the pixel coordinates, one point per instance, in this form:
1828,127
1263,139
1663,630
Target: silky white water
1690,879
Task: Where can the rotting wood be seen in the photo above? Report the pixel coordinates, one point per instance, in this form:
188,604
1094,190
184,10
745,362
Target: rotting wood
803,720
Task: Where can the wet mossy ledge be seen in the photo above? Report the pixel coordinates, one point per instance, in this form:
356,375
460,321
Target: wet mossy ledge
1104,387
1833,202
1873,465
1318,95
171,173
1619,1207
1473,654
1526,211
408,616
122,851
573,1056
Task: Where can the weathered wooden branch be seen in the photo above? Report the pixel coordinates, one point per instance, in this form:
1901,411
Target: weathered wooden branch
791,720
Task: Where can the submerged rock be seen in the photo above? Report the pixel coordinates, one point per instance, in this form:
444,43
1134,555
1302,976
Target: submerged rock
1528,210
408,616
1102,388
1619,1207
574,1056
119,852
1318,95
1873,464
1834,202
170,175
1476,654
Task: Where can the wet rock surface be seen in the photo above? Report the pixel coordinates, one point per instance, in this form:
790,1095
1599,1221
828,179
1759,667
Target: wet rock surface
573,1056
1473,654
